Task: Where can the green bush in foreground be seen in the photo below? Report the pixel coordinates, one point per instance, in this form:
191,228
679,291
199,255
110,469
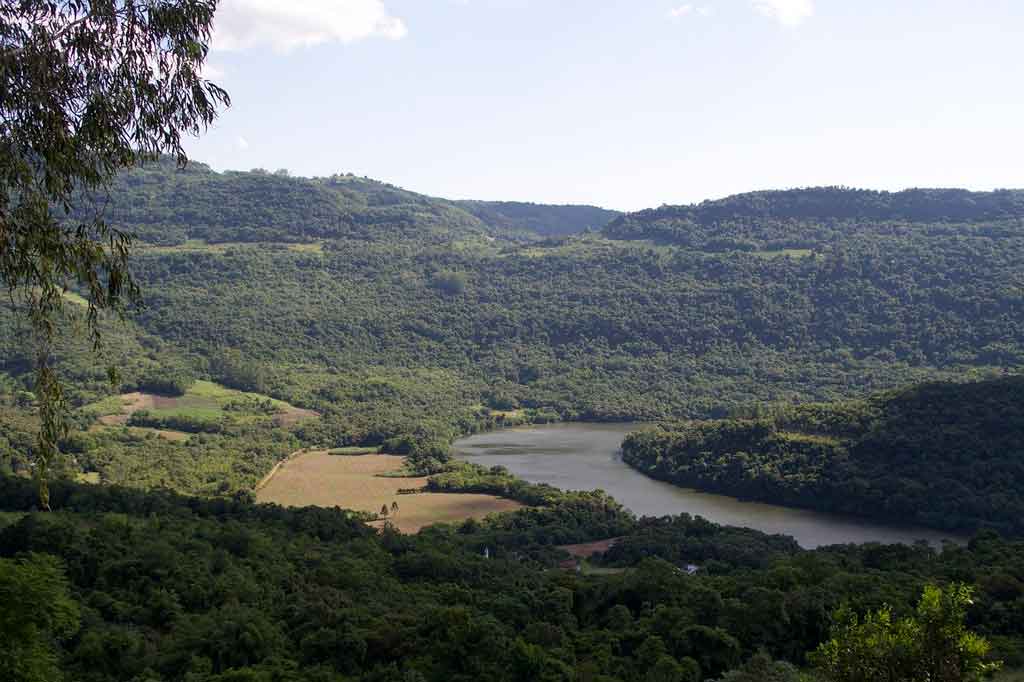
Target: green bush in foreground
933,645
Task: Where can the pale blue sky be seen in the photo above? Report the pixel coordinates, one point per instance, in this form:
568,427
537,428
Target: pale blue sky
625,104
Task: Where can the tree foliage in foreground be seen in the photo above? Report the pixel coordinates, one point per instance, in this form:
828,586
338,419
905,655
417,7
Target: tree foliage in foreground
176,589
932,645
37,612
86,88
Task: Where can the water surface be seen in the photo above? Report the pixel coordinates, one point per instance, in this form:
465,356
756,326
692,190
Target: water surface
580,456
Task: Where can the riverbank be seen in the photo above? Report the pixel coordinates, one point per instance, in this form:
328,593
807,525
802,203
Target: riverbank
585,456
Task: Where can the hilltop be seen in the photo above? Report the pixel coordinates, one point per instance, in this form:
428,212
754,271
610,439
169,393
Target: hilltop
815,218
167,205
542,219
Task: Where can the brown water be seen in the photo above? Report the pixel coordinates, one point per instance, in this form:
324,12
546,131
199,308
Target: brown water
580,456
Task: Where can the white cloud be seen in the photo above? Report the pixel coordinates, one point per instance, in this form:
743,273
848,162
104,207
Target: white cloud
241,144
284,25
688,10
786,12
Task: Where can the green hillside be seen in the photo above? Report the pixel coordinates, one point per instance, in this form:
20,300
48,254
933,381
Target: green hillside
542,219
944,455
406,320
816,218
406,324
167,205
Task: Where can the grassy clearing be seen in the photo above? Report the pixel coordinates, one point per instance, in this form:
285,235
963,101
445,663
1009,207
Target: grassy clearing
204,401
201,246
783,253
323,480
144,431
353,451
314,247
509,415
92,477
798,437
111,405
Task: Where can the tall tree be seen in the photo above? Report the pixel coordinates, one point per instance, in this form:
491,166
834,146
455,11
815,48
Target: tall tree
37,611
87,87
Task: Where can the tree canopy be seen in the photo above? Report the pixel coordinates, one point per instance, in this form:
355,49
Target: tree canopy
946,455
86,88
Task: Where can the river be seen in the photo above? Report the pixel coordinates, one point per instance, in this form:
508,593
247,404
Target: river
579,456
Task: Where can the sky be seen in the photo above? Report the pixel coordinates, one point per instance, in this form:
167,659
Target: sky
625,104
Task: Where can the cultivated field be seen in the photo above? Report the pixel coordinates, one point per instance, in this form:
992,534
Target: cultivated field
326,480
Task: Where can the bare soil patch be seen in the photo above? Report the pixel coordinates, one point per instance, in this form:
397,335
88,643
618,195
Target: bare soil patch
325,480
130,403
292,415
135,401
586,550
160,402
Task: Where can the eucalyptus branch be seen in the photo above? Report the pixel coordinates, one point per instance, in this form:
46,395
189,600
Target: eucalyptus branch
76,110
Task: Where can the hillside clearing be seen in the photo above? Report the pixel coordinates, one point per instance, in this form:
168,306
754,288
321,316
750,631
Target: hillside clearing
204,400
586,550
324,480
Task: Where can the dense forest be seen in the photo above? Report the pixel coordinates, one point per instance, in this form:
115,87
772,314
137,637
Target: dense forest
152,586
167,205
404,319
944,455
817,217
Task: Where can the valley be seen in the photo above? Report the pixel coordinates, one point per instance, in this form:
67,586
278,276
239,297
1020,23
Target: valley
313,353
504,361
578,456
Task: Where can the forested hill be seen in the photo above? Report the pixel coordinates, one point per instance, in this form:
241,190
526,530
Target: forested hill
167,205
815,217
542,219
946,455
402,319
